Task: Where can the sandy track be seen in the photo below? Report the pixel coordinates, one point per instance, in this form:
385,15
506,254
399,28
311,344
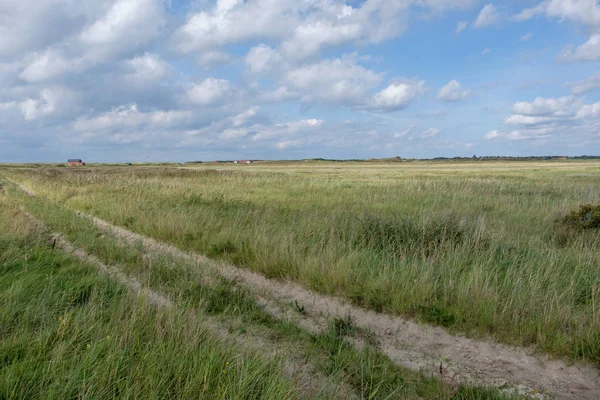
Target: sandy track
309,382
407,343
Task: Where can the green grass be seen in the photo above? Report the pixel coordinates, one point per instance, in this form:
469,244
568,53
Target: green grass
472,247
69,332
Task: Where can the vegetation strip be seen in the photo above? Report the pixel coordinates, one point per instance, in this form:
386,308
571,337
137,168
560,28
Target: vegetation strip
409,344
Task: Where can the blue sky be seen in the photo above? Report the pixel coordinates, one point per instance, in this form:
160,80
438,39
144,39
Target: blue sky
179,80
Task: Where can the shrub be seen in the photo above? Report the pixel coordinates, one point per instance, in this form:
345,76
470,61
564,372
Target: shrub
587,217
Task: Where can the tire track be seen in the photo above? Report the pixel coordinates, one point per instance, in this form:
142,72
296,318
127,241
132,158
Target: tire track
309,382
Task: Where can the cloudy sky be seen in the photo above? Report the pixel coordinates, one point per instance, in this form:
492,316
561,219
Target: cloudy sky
180,80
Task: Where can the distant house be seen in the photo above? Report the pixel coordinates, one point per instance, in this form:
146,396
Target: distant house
242,162
75,162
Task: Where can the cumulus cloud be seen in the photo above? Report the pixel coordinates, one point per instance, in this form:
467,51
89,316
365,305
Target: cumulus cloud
48,65
562,106
545,118
589,111
336,81
263,59
304,27
488,16
146,68
211,91
398,96
126,24
452,92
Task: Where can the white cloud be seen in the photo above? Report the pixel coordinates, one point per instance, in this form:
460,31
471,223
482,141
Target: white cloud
125,118
405,132
111,29
263,59
337,81
126,24
147,68
519,119
586,85
52,100
47,66
452,92
486,51
493,134
284,130
546,118
303,27
398,96
588,51
488,16
530,134
579,11
234,21
429,133
308,39
210,91
461,26
546,106
589,111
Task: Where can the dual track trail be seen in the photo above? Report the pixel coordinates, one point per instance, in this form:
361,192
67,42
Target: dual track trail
405,342
310,382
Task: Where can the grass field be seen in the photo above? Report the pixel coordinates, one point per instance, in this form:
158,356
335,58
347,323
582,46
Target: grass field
473,247
70,332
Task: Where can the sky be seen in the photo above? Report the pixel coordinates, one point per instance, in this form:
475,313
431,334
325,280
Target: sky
183,80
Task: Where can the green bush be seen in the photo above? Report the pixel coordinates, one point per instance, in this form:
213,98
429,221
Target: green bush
587,217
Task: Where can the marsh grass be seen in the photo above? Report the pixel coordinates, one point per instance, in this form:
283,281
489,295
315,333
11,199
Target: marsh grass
71,333
472,248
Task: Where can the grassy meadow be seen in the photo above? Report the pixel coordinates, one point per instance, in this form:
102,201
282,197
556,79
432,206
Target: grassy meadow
69,331
471,246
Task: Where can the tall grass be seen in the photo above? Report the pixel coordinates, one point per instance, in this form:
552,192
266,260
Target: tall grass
68,332
474,249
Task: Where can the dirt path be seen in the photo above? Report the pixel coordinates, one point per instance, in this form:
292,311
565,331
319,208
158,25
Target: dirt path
405,342
310,383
